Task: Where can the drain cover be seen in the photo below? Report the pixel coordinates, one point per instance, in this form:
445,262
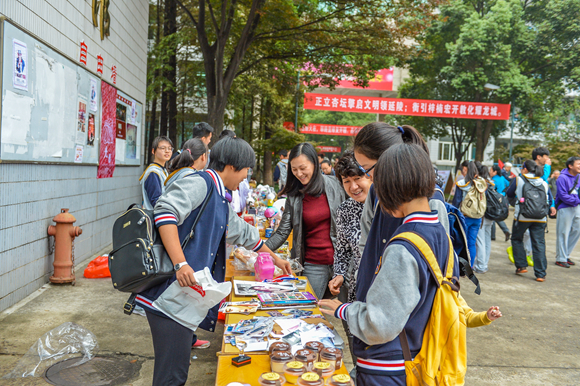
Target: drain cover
99,371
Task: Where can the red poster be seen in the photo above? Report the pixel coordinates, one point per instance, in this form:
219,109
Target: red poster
107,153
417,107
329,149
383,80
121,130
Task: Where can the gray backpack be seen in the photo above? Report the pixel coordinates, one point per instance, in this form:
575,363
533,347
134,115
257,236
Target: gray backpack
535,205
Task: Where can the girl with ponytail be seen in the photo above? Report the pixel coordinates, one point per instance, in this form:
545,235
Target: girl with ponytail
377,226
533,200
193,155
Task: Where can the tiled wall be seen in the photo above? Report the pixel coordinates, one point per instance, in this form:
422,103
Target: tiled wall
32,194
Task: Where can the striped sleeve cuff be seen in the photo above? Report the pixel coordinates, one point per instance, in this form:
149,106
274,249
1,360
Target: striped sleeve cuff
165,219
341,311
258,246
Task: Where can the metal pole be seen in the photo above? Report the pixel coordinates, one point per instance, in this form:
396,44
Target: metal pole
513,125
296,111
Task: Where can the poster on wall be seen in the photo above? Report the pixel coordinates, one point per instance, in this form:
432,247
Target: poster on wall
81,122
121,129
20,62
107,148
91,130
79,154
93,101
131,145
121,112
133,112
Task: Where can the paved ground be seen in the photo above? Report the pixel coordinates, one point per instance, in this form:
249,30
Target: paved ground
535,343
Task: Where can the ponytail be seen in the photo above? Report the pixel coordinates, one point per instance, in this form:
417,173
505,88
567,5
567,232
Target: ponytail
376,137
534,168
191,151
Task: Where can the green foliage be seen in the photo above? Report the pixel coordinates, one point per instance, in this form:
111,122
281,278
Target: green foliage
528,48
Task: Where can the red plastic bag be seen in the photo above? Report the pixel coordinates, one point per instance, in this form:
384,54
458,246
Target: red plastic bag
98,268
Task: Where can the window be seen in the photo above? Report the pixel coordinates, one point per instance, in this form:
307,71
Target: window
445,151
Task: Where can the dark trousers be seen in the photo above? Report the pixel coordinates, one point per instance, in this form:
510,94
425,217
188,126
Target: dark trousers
172,346
503,227
537,235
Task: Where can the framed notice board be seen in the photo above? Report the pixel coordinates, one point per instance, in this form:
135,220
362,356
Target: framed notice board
51,106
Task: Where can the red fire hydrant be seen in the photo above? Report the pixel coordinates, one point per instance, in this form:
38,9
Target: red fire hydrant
64,234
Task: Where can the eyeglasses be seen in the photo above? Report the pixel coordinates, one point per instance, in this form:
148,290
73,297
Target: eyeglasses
367,170
163,148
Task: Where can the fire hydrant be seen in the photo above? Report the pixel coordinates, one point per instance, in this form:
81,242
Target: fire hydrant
64,234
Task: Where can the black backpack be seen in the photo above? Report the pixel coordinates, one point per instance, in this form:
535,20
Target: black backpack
535,205
139,260
497,206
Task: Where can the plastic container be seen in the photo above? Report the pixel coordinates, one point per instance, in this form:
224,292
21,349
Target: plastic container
268,232
316,347
308,357
332,356
293,370
278,359
279,346
310,379
324,369
271,379
340,380
264,267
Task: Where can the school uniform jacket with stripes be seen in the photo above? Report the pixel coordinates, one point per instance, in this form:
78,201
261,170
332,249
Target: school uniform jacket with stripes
152,184
179,205
400,296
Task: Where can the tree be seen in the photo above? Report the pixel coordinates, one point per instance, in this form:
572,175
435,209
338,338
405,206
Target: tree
502,42
336,37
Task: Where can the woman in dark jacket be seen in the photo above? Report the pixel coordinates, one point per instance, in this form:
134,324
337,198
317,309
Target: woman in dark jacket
310,211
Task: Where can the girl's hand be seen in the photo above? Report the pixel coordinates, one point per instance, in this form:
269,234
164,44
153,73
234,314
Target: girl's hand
335,284
494,313
331,306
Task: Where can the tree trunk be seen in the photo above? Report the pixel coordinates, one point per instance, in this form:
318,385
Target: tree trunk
169,95
268,177
482,135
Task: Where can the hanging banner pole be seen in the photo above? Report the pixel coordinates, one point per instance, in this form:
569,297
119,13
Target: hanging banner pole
415,107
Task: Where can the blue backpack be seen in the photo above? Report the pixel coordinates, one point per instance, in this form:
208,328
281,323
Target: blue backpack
459,240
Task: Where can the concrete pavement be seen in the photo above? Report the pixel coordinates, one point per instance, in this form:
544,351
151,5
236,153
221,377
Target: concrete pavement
535,343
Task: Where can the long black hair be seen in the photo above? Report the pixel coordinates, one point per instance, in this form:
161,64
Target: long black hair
315,186
376,137
472,171
192,149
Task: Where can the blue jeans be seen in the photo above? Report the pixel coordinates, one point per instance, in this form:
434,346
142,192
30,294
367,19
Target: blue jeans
483,246
473,225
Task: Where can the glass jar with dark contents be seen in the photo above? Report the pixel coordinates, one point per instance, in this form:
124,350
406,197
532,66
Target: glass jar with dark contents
307,357
314,346
332,355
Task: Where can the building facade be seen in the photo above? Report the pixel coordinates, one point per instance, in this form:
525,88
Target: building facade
33,192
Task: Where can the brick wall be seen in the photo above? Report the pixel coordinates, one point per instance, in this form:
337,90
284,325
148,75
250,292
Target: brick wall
32,194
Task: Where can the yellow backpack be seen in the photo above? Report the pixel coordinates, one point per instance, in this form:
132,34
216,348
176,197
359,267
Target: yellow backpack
443,356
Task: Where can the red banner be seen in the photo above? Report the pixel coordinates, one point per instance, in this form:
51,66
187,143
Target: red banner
108,131
328,149
323,129
417,107
383,80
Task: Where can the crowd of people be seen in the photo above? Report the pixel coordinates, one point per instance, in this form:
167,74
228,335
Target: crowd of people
350,221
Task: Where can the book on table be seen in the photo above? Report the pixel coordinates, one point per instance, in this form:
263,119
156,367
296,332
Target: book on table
290,299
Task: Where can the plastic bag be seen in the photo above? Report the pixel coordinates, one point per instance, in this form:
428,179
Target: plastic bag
98,268
66,341
244,260
188,306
